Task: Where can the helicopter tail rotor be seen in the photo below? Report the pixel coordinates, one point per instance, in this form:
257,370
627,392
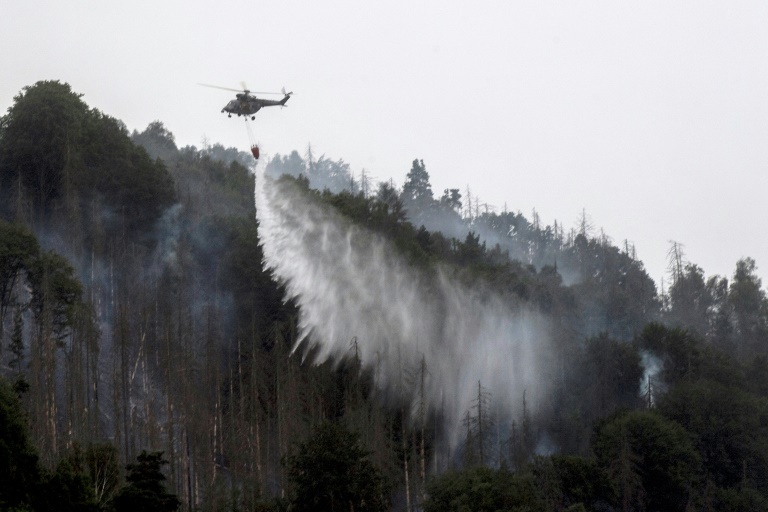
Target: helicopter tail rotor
286,97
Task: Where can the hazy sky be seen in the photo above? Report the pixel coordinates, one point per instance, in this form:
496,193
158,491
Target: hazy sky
652,116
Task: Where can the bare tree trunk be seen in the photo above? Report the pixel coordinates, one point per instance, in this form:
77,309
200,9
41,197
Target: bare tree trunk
255,417
422,421
403,435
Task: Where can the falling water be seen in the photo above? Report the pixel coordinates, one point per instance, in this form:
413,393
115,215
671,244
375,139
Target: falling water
352,283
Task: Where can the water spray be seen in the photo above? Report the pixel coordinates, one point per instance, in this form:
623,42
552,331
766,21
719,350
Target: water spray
352,283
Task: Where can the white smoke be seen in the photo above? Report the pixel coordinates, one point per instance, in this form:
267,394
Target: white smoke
651,384
351,283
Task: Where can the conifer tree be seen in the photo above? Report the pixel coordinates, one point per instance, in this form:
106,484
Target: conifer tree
146,489
332,472
19,472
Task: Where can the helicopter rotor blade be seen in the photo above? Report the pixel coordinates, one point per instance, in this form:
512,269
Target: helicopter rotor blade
219,87
244,89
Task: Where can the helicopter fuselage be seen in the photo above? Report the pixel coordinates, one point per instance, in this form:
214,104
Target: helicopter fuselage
246,104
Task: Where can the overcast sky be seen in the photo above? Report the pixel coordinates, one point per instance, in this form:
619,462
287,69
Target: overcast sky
652,116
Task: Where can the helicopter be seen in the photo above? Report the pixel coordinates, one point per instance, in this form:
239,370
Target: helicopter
246,104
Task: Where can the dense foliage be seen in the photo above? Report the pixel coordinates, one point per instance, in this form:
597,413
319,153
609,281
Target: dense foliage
19,472
145,489
58,156
331,471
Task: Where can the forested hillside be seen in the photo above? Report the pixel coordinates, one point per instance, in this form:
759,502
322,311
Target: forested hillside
136,317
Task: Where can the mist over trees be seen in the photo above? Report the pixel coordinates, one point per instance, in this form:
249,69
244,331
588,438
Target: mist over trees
138,326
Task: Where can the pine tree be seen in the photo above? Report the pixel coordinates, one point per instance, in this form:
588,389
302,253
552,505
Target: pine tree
19,472
146,489
332,472
479,428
